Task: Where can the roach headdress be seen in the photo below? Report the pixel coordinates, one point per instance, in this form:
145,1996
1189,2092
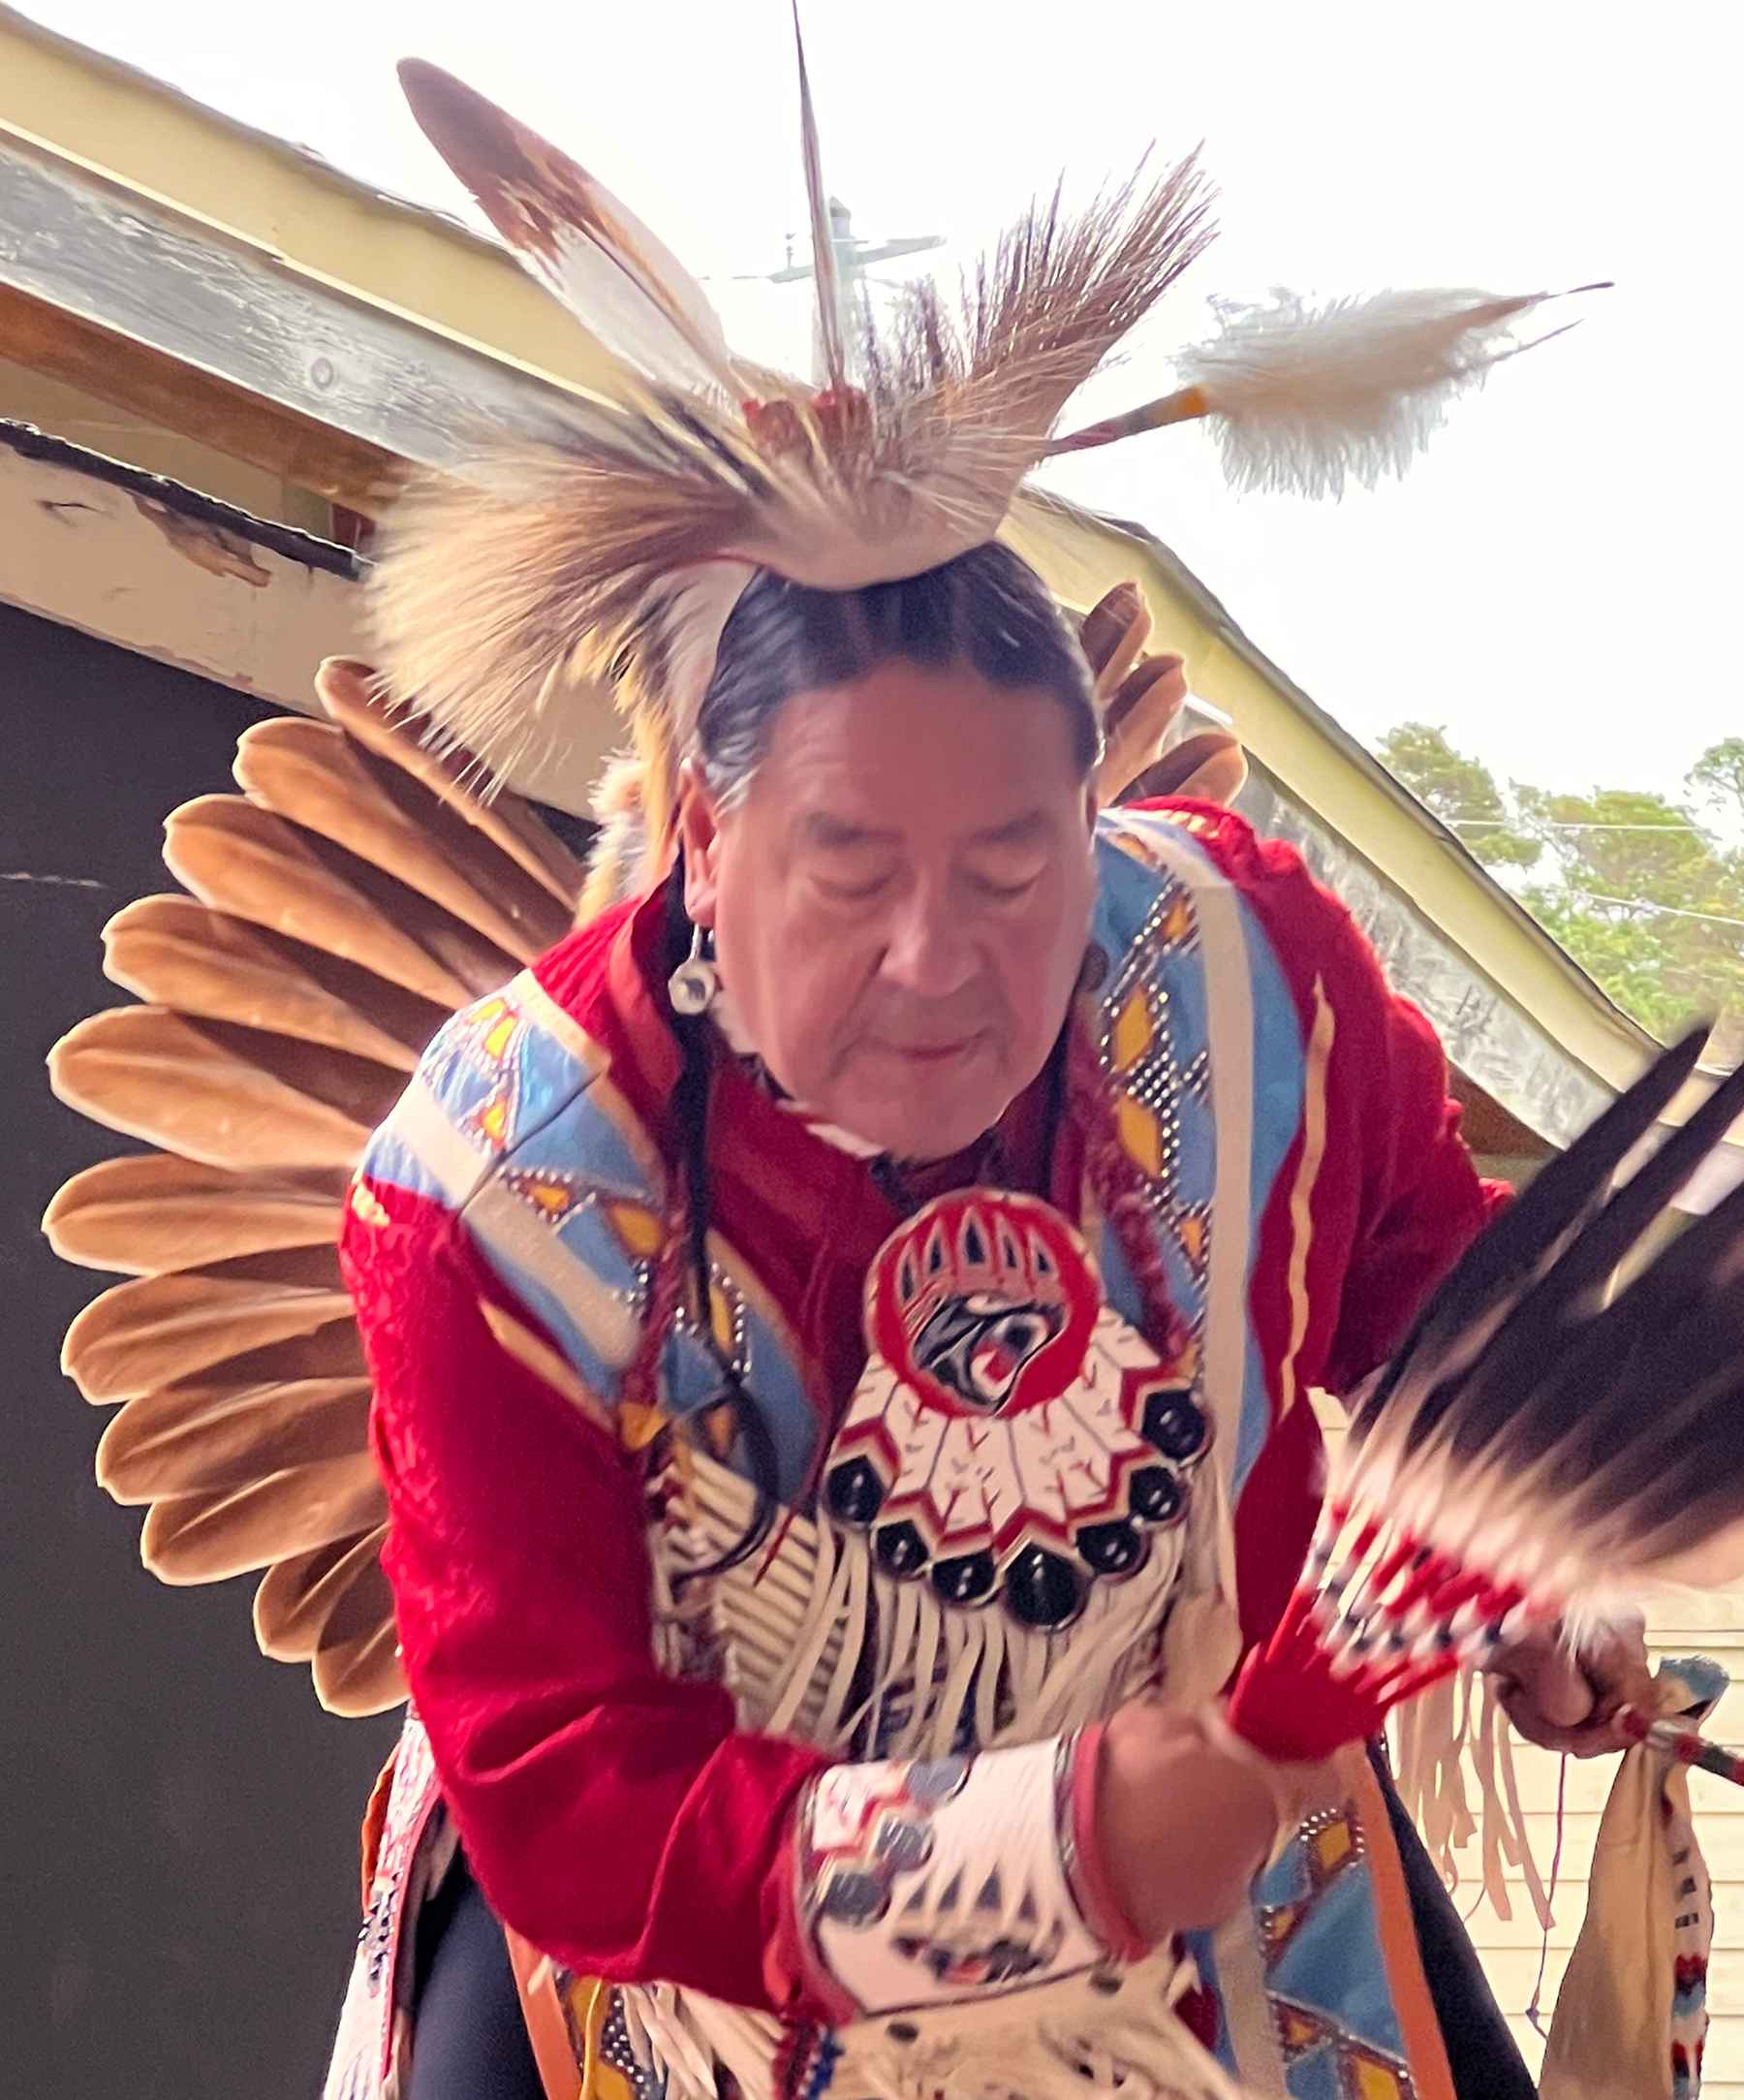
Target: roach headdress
615,553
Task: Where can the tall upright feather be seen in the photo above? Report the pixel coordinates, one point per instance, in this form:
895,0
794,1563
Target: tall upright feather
826,273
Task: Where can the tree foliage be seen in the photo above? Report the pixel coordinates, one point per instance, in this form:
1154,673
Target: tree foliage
1642,889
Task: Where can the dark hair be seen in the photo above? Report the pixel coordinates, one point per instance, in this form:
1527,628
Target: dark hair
987,608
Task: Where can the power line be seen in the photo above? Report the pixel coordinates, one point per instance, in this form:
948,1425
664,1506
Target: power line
1501,823
1645,904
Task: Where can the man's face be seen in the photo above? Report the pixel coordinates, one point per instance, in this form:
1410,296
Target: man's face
900,900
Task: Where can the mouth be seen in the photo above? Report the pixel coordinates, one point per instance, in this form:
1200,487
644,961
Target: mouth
930,1053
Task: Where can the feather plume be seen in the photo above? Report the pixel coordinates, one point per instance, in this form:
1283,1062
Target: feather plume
1037,319
1304,401
1533,1450
620,810
612,555
152,1213
623,284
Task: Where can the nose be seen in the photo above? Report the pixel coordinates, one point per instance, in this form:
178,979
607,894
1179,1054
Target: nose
929,954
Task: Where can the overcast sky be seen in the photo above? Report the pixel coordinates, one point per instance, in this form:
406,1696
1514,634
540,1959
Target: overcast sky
1551,583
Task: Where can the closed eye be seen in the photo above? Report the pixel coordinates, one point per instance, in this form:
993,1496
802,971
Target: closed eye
1002,892
854,893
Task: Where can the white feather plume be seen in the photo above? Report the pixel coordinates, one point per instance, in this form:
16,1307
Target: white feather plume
1304,399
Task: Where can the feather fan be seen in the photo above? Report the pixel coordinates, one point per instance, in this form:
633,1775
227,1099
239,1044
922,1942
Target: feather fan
1534,1450
361,892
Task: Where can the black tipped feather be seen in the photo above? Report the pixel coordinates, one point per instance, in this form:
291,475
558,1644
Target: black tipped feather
1540,1426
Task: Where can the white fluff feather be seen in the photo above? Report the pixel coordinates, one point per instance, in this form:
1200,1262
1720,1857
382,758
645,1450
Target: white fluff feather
1305,400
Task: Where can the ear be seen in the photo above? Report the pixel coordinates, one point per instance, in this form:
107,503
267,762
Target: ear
700,831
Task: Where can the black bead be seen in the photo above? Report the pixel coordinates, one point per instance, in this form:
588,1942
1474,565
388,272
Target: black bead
902,1845
1155,1494
1176,1424
971,1579
1043,1590
855,1895
900,1548
931,1780
853,1491
1111,1548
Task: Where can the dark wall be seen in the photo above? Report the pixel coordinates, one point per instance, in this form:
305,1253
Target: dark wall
178,1819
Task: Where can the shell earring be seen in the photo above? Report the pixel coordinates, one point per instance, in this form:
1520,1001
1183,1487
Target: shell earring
696,983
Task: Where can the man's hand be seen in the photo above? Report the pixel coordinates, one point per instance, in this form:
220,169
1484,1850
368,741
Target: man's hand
1567,1700
1185,1815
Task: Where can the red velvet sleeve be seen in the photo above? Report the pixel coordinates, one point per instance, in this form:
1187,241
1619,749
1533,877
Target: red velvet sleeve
1419,1199
1428,1205
611,1814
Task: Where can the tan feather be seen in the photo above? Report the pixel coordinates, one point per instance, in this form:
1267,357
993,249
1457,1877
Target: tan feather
1113,635
298,1594
333,1350
229,1097
296,995
1139,717
207,1538
333,1608
160,1331
245,861
182,954
206,1435
1209,767
311,774
348,691
358,1668
151,1215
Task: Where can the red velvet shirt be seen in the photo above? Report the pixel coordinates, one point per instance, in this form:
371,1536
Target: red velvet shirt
616,1817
